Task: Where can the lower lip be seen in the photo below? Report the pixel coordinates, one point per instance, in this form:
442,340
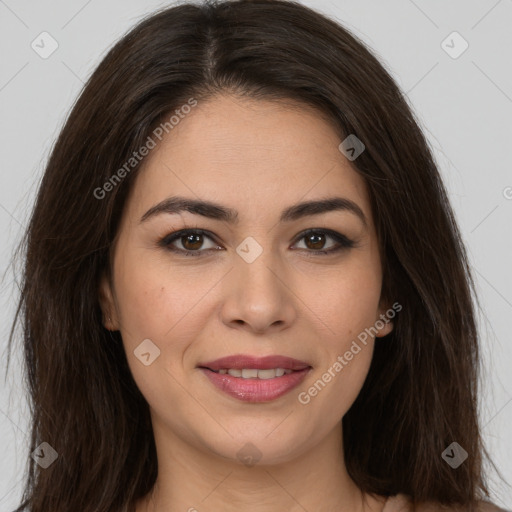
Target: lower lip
256,390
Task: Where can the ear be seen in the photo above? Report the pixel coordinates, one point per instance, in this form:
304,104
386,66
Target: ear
107,304
384,322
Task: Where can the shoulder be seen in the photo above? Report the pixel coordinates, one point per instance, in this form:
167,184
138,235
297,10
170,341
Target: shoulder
403,503
483,506
487,506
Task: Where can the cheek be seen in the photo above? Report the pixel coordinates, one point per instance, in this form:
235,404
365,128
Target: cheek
346,300
345,362
153,303
153,306
348,308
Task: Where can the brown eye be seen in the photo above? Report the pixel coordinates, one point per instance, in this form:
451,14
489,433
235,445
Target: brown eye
315,240
192,242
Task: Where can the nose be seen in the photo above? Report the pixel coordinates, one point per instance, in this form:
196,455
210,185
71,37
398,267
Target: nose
258,297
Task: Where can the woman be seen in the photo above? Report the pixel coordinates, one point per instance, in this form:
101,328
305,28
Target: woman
244,286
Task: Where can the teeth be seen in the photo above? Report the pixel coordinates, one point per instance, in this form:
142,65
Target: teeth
253,373
267,374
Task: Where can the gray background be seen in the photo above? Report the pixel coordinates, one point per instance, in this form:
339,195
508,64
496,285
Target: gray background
463,103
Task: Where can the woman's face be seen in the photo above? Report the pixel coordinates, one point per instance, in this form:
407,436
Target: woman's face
257,285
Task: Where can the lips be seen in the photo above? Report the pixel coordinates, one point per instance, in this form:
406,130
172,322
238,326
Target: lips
243,361
249,378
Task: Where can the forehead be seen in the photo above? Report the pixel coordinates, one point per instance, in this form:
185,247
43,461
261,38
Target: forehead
255,155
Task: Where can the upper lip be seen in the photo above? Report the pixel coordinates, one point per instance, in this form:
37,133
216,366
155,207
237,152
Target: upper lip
241,361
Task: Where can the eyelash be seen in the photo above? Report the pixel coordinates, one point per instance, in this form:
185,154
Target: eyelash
343,242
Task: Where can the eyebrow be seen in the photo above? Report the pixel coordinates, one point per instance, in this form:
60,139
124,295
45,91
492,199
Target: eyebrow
212,210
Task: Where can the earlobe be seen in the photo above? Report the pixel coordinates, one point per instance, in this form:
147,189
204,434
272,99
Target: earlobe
387,327
383,324
107,305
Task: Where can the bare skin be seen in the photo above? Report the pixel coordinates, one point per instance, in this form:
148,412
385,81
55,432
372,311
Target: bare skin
258,158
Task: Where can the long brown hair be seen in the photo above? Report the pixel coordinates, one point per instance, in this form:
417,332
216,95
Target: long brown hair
421,391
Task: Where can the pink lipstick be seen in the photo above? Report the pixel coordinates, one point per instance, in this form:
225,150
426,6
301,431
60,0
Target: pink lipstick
255,379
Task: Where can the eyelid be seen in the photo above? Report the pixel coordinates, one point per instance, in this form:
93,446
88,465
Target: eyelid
343,242
168,239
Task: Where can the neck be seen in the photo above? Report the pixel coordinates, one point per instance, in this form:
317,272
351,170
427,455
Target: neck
192,480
